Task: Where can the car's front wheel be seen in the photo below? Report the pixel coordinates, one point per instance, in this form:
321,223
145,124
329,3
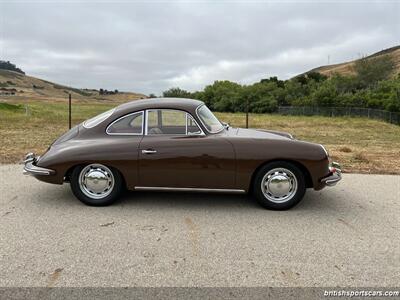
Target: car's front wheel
96,184
279,185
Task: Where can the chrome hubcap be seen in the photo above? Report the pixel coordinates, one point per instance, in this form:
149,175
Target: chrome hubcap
279,185
96,181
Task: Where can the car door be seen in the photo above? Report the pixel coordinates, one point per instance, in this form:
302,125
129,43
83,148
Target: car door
123,148
175,153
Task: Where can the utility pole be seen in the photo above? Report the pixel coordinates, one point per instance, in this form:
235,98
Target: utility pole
69,110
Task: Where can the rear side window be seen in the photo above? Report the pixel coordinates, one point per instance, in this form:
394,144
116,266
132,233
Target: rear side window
98,119
131,124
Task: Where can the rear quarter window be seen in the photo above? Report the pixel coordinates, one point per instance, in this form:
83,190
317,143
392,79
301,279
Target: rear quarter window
131,124
98,119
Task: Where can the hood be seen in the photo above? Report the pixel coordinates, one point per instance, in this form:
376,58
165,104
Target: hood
260,134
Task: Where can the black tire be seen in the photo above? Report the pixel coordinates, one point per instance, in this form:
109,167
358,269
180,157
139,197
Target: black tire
107,200
295,198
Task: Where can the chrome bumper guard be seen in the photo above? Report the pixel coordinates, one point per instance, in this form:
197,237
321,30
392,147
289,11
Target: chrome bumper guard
335,175
31,169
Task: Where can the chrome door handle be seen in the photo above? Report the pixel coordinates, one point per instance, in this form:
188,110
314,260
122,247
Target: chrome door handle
149,151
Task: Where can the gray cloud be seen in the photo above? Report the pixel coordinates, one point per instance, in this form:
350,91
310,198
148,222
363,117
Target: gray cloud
151,46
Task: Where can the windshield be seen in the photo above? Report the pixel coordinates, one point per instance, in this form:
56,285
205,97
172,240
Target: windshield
208,119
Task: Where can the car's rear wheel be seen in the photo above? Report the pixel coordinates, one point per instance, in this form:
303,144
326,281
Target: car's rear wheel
279,185
96,184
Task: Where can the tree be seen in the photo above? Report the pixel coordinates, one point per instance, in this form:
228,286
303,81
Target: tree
176,93
6,65
325,95
224,96
371,70
302,79
316,76
366,89
279,83
261,97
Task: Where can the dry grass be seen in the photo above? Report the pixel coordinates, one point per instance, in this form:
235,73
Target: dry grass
347,68
345,149
360,145
31,89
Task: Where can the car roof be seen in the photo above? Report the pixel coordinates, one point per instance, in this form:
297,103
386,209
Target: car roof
171,103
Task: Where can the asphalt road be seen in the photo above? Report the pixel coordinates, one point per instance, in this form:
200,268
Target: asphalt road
347,235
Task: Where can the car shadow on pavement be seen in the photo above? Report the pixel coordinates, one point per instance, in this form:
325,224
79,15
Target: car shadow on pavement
202,200
313,201
187,200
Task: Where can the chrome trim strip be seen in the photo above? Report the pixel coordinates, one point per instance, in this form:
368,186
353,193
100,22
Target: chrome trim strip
146,123
152,188
149,151
335,177
29,157
125,116
205,127
31,169
332,180
186,125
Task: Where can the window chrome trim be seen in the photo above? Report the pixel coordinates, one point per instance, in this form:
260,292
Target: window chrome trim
125,116
186,123
170,134
205,127
189,116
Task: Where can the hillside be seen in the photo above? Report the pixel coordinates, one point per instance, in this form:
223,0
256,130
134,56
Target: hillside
14,85
347,68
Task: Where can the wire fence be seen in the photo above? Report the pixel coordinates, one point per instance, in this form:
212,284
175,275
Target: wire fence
387,116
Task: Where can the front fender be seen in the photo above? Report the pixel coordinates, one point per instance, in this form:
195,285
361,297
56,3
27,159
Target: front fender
251,154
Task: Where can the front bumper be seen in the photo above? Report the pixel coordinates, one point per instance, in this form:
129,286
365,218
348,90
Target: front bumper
334,176
30,167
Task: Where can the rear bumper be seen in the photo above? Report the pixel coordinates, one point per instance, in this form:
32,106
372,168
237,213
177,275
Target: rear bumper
334,176
30,167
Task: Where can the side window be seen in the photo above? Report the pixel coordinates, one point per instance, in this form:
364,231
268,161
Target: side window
131,124
169,121
166,121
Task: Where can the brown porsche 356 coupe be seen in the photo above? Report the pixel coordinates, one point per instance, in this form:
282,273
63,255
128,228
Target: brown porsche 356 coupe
178,144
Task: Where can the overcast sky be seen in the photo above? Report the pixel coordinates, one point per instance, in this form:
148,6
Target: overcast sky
150,46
